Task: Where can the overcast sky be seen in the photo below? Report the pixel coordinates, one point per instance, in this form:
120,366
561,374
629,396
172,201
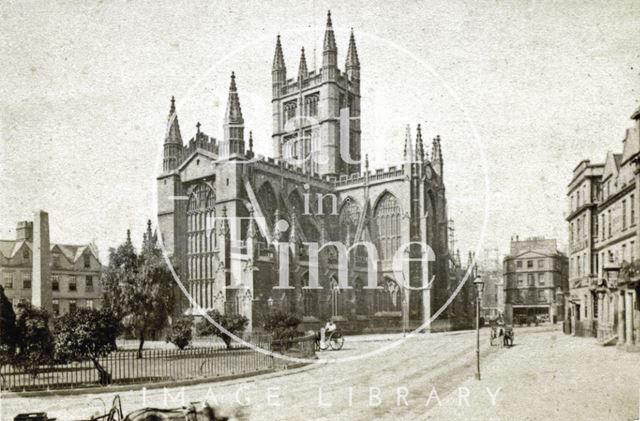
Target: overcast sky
85,94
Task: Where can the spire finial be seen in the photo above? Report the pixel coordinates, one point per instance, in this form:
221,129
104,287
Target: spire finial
353,61
366,162
234,112
419,144
232,86
251,140
278,57
198,127
302,69
329,39
408,150
173,128
128,236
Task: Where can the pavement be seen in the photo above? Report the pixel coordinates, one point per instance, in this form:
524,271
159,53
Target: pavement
545,376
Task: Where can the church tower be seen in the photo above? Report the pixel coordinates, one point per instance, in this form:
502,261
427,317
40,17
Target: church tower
170,211
316,116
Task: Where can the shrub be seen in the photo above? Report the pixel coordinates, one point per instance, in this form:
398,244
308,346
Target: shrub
233,323
283,327
86,335
8,334
181,334
34,345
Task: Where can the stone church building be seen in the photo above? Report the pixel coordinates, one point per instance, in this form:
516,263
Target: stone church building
248,233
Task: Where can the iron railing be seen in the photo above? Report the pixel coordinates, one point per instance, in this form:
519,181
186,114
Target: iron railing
156,365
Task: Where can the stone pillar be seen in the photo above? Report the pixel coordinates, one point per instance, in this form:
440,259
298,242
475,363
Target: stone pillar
41,271
628,304
621,315
601,312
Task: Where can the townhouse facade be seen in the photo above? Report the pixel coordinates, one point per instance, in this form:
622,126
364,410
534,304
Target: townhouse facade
603,237
53,276
535,278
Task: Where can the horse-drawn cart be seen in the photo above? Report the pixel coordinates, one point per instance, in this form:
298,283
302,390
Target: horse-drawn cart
501,335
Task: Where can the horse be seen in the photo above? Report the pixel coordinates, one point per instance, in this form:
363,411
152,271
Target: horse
500,335
508,336
190,413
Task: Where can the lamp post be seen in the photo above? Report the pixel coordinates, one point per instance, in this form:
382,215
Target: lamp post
479,286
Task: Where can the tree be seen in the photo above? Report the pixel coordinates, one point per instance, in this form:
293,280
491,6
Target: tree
283,327
8,332
233,323
86,335
34,345
138,288
181,334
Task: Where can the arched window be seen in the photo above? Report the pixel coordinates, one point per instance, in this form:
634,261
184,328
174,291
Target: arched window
297,207
387,219
200,232
348,222
268,202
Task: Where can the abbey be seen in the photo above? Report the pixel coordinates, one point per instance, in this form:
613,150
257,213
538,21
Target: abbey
229,219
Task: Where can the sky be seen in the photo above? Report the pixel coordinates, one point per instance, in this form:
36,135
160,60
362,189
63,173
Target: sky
519,92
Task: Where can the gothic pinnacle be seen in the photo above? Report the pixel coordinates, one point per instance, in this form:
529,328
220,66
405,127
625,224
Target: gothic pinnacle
419,145
352,53
278,57
173,127
408,152
233,114
329,39
302,69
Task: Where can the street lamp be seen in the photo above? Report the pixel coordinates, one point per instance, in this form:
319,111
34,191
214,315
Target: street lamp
479,286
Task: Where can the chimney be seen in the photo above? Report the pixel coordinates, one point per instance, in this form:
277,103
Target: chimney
41,279
24,231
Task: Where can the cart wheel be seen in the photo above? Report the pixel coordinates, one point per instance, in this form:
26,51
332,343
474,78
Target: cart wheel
336,342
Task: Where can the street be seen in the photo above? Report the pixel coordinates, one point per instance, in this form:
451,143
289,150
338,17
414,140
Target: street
546,375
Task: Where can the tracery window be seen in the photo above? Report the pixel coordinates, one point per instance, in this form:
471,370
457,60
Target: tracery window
387,226
349,217
201,239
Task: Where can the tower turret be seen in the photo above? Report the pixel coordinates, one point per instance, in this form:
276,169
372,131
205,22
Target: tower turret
279,70
329,53
172,140
352,65
233,141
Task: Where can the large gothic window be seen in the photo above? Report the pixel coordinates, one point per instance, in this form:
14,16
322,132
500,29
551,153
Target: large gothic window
297,207
349,217
387,218
268,202
201,238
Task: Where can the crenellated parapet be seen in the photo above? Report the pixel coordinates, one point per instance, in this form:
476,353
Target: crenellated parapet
199,141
